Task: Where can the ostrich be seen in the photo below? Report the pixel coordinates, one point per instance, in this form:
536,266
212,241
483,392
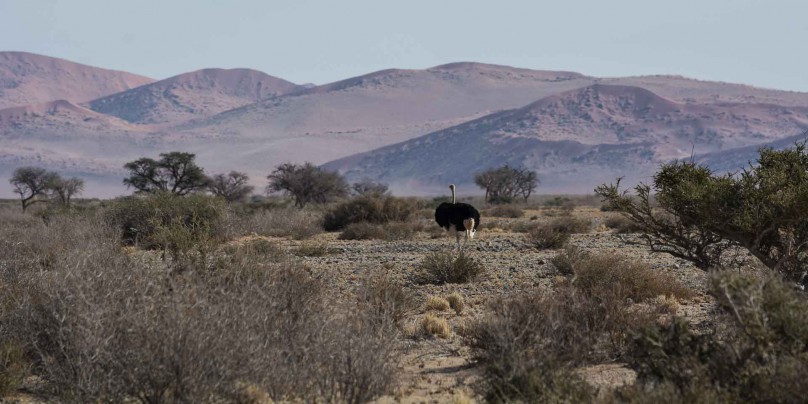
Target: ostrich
462,216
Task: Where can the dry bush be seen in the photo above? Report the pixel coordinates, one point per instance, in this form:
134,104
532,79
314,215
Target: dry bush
566,260
529,345
621,224
103,326
313,250
456,302
440,268
556,233
363,231
436,303
385,299
299,224
757,353
436,326
140,217
508,211
378,209
13,367
598,274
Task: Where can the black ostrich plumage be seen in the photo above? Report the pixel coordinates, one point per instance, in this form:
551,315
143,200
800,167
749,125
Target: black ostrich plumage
450,215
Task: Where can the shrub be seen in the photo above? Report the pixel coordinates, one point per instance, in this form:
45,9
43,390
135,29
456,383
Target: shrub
598,274
566,261
700,214
13,368
377,209
529,344
757,353
556,233
139,217
313,250
385,299
299,224
363,231
456,302
440,268
622,224
436,303
508,211
434,325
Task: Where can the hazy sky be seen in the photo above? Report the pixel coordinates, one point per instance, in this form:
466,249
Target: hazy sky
762,43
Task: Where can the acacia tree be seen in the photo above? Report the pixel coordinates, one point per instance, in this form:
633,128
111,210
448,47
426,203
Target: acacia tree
65,188
369,187
31,183
699,214
232,186
174,172
307,183
505,183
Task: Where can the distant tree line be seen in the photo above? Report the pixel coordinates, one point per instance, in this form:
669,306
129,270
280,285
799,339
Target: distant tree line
177,173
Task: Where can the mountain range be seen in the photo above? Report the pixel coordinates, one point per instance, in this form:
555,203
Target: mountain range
414,129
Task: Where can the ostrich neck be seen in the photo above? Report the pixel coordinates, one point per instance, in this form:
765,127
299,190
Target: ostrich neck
453,197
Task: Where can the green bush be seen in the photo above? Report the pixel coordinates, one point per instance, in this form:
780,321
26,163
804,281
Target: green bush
141,217
377,209
757,353
701,214
440,268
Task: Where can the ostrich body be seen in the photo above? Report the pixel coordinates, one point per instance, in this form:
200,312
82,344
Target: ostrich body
462,216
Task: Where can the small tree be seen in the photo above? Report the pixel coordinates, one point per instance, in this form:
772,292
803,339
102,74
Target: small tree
232,187
700,214
65,188
307,183
369,187
505,183
174,172
30,183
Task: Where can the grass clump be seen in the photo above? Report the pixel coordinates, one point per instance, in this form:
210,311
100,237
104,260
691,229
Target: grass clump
621,224
440,268
456,302
436,303
313,250
363,231
435,326
377,209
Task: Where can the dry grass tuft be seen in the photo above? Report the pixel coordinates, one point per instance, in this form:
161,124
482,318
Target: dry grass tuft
456,302
441,267
436,303
436,326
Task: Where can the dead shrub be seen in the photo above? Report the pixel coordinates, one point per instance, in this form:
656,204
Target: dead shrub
598,274
507,211
385,299
556,233
363,231
299,224
101,325
566,261
13,367
529,345
313,250
440,268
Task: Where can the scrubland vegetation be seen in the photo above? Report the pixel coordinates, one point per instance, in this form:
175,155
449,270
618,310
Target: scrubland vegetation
161,297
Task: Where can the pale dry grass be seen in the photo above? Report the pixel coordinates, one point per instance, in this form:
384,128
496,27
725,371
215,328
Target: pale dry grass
436,326
456,302
436,303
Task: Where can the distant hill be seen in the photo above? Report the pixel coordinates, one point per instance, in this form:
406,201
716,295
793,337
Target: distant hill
575,140
198,94
416,129
27,78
